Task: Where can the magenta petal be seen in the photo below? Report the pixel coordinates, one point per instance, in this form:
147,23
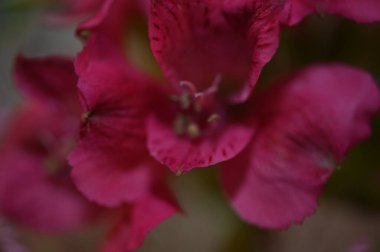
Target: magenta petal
182,154
361,11
273,198
309,122
109,176
296,10
51,80
112,21
35,189
30,197
108,21
129,232
198,40
116,101
107,162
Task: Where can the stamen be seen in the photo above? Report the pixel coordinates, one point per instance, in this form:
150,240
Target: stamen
188,85
215,83
180,124
212,89
192,104
213,118
185,100
193,130
86,116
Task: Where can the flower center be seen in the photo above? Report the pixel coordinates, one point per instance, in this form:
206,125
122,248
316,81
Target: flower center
52,149
197,112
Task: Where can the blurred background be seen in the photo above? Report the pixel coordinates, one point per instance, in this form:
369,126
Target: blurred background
348,218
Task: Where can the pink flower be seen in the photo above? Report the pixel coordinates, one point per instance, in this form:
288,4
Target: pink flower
204,47
111,164
35,186
280,146
365,11
210,51
200,118
195,131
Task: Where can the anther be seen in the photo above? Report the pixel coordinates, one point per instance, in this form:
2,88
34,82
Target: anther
193,130
86,116
180,124
185,100
213,118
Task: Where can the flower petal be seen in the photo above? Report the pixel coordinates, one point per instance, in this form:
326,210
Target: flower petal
30,198
116,104
364,11
308,123
111,20
196,41
35,189
139,219
50,81
108,21
182,154
108,175
108,161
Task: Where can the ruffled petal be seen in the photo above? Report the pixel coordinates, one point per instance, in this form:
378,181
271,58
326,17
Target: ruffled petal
29,197
110,160
138,220
108,175
108,21
181,154
35,189
360,11
364,11
308,123
115,106
40,131
50,81
196,41
112,21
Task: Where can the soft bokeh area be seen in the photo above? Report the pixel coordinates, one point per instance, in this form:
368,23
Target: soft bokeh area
348,218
